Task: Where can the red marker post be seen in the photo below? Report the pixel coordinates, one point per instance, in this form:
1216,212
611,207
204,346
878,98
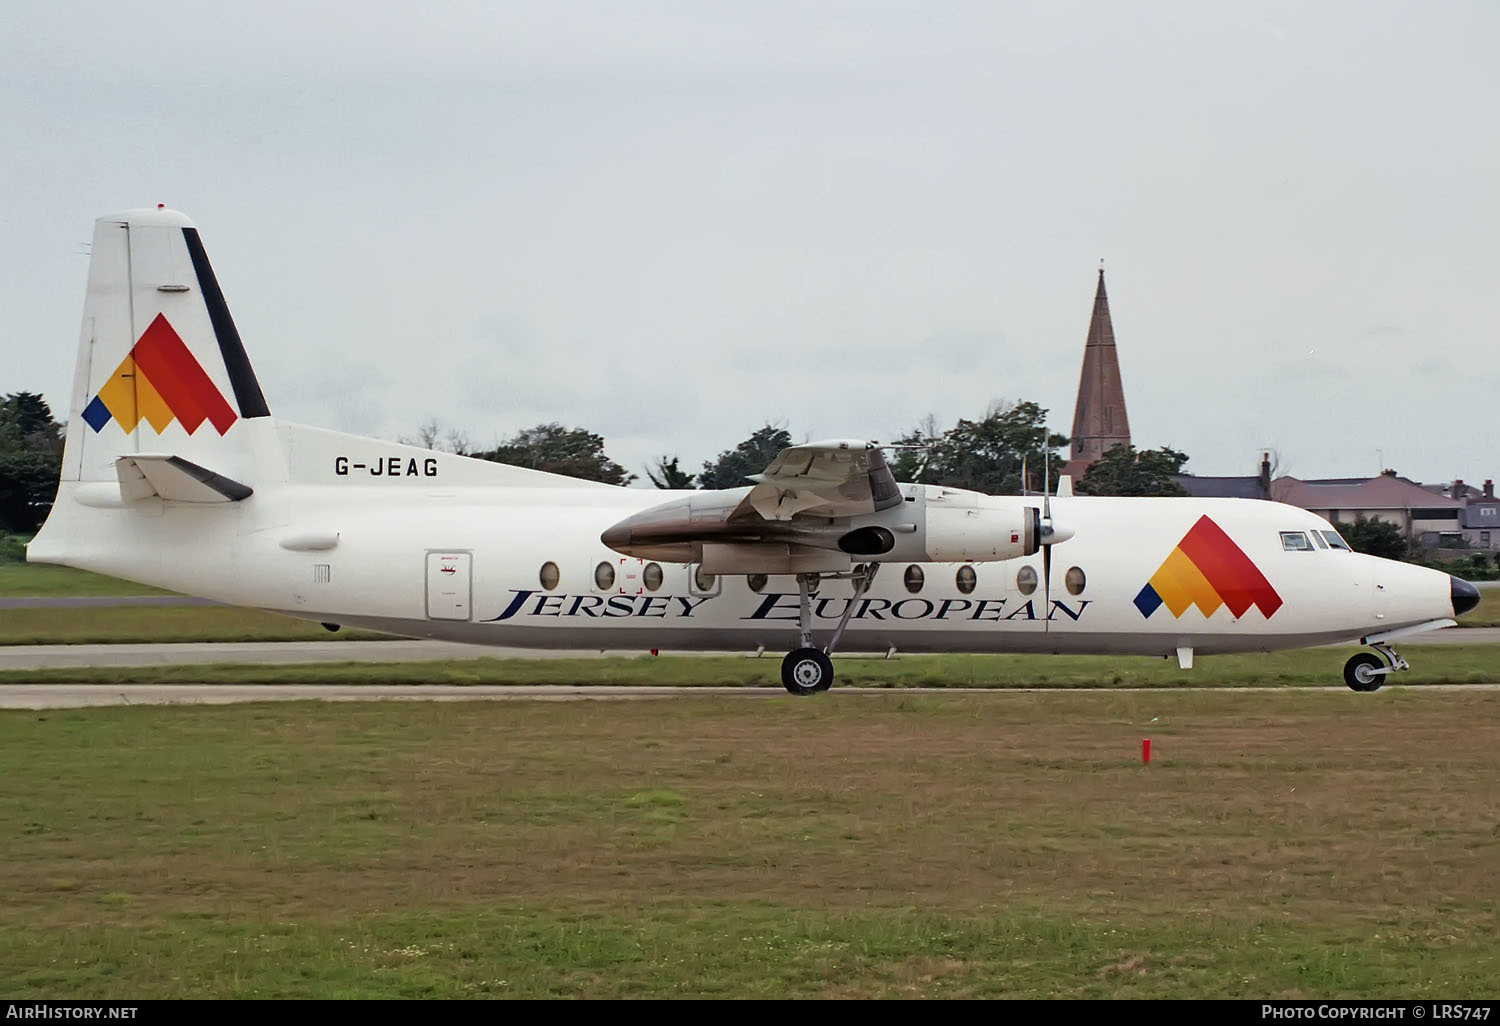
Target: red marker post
1145,750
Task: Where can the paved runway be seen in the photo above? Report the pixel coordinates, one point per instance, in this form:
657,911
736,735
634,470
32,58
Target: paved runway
74,696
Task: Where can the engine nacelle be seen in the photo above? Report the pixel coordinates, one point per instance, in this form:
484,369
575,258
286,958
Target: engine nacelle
981,534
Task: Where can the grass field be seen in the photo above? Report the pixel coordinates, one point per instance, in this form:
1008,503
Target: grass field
135,624
1435,664
1290,845
31,580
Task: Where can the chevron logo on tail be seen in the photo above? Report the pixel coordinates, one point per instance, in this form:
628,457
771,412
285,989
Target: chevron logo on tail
159,381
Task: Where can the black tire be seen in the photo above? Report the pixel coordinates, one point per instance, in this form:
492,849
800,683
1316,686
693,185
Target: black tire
806,672
1358,672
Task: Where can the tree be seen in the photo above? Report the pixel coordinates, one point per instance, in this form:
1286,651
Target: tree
1125,470
665,473
984,455
30,461
751,456
912,464
573,452
1375,537
432,435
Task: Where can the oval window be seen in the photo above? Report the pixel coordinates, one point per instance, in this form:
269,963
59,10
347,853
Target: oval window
757,582
651,576
914,578
703,579
1075,580
549,576
1026,580
967,579
604,576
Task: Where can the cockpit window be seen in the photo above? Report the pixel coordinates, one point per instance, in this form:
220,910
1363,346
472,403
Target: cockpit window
1295,541
1317,536
1336,540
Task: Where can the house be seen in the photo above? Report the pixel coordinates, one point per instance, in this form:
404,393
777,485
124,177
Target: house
1481,520
1255,487
1481,517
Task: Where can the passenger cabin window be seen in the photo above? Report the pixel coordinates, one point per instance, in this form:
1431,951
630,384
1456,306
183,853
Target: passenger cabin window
652,576
604,576
914,578
1026,580
704,580
1295,541
1335,540
549,576
1075,580
757,582
966,580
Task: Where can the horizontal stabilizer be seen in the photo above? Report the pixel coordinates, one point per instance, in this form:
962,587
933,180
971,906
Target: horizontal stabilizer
172,477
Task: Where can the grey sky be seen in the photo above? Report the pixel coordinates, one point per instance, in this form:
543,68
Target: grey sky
669,222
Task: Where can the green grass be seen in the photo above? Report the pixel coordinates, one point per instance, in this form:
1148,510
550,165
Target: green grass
1487,613
134,624
1286,845
1436,664
44,580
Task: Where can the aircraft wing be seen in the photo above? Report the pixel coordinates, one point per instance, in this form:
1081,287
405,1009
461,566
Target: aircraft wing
794,519
838,478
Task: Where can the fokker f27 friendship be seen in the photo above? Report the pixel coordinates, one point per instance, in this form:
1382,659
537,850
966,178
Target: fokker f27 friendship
176,474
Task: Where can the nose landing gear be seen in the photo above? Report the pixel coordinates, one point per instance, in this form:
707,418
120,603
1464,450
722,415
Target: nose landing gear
1367,671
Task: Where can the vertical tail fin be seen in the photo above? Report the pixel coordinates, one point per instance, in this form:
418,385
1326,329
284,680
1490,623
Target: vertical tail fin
161,368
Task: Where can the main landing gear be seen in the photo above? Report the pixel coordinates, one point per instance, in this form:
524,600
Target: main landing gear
1367,671
808,670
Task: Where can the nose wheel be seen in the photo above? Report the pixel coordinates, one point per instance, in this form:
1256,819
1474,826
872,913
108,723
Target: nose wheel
1367,671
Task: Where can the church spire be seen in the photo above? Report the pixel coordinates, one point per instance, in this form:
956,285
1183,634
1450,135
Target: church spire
1099,421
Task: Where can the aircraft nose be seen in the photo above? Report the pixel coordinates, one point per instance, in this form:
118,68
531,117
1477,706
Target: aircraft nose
1465,596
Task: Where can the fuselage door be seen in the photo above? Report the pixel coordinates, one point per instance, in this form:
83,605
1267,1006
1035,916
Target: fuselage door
448,585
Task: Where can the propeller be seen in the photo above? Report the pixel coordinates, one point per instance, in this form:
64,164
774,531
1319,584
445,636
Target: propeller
1048,528
1051,531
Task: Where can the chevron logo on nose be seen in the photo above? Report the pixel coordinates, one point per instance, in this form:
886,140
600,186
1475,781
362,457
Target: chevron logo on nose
1208,570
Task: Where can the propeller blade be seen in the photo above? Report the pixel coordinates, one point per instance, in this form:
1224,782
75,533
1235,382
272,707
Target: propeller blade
1046,482
1046,585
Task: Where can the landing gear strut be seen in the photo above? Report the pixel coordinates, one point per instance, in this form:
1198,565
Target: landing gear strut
807,670
1367,671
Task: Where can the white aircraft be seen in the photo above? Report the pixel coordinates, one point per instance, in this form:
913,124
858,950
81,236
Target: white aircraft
176,474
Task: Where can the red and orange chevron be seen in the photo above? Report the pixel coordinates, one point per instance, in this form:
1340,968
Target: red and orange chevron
1208,570
159,381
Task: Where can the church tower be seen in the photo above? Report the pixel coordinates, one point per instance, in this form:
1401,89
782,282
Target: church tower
1099,421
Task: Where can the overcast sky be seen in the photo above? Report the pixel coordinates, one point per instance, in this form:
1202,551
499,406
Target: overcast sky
672,222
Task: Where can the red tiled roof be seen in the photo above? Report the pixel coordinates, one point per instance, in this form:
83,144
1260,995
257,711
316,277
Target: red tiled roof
1383,492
